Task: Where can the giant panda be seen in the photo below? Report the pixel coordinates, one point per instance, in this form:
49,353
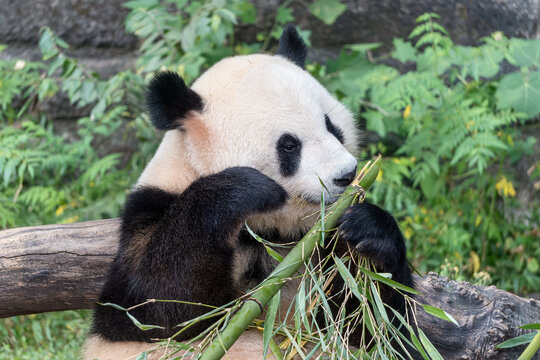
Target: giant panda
248,143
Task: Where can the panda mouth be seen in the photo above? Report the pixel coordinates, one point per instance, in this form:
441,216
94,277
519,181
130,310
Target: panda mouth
316,200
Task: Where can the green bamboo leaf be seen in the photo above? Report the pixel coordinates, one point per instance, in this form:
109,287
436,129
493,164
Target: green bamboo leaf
300,304
414,338
117,307
143,327
387,281
441,314
348,277
269,321
535,326
268,249
430,349
518,340
378,302
142,356
418,345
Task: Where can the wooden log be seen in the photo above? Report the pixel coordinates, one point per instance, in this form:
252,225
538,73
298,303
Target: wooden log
55,267
62,267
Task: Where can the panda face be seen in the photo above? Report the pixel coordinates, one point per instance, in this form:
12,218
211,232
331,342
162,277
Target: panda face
276,118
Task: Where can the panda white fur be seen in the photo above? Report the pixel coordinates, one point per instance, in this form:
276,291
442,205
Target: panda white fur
248,142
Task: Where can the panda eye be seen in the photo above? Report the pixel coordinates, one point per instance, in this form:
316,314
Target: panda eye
289,147
288,143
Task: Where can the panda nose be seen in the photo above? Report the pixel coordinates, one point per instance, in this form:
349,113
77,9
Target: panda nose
345,179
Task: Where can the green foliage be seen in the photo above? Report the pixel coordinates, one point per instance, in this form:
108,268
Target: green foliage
47,178
327,10
43,336
187,39
449,129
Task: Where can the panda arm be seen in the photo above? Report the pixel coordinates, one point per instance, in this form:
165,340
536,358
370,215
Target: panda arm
181,247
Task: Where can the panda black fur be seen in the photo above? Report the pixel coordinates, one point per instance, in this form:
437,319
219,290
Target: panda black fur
182,233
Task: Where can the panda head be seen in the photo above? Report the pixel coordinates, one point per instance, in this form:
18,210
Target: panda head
261,111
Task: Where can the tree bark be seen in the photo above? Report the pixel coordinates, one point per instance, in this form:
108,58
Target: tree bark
62,267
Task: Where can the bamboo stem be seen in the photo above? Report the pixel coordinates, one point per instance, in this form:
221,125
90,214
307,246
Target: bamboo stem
532,348
290,264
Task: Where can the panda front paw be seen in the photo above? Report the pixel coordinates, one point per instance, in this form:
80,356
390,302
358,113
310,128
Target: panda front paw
253,190
374,234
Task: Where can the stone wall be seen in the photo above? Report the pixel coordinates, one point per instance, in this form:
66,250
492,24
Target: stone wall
95,28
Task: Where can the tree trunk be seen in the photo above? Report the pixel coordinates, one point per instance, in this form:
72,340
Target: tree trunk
61,267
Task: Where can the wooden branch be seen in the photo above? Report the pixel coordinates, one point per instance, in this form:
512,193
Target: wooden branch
61,267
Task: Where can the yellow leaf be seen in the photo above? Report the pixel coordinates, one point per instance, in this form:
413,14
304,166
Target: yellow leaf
71,219
60,210
408,233
478,220
407,111
510,140
474,261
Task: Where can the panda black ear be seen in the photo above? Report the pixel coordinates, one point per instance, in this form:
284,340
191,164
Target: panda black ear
292,46
169,99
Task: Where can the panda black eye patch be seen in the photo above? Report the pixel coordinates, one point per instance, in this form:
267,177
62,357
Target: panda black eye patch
288,149
333,129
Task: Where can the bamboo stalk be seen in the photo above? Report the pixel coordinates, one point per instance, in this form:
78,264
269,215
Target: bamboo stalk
253,306
532,348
